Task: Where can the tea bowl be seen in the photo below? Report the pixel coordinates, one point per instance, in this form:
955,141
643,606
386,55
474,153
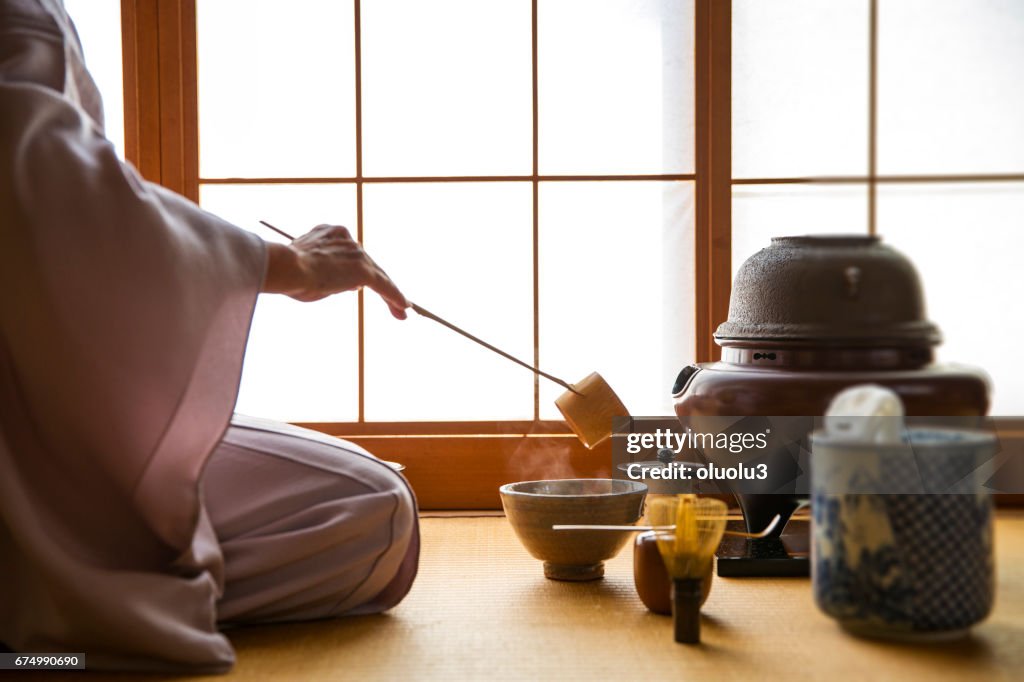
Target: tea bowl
533,507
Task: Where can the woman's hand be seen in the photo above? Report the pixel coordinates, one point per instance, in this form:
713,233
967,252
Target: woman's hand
324,261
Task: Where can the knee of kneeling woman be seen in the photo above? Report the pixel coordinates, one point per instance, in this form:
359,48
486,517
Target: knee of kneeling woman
399,564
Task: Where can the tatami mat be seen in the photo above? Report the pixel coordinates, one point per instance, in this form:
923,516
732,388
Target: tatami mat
482,610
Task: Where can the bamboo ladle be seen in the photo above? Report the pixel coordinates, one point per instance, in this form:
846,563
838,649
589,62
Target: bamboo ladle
734,533
588,406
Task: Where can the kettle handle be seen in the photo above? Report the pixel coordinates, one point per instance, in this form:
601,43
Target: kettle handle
685,374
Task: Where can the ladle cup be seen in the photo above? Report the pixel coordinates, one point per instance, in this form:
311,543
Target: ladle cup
589,410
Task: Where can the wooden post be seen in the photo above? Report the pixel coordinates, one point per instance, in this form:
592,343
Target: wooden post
161,116
713,123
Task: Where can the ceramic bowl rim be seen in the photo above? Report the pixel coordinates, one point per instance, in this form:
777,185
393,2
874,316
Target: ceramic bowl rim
635,488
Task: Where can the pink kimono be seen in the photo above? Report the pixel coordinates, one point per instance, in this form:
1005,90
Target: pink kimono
133,517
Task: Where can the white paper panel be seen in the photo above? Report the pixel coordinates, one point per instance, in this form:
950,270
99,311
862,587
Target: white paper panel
951,86
966,241
615,86
616,285
446,87
800,88
276,88
301,363
462,251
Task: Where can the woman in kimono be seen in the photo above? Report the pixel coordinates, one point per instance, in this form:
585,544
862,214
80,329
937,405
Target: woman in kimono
136,516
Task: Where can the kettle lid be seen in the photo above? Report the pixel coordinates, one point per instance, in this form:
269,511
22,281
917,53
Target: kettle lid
829,290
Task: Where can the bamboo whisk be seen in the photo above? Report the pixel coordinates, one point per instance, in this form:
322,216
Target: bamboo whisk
687,551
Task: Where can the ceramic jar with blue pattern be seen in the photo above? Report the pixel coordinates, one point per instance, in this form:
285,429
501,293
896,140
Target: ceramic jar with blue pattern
902,534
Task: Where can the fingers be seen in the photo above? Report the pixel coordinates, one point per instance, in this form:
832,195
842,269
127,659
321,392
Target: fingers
388,290
391,294
398,313
339,243
331,233
339,232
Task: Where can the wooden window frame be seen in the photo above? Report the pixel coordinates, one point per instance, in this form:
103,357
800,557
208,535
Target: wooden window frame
459,465
452,465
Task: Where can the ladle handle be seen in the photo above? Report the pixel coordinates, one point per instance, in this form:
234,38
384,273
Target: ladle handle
440,320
